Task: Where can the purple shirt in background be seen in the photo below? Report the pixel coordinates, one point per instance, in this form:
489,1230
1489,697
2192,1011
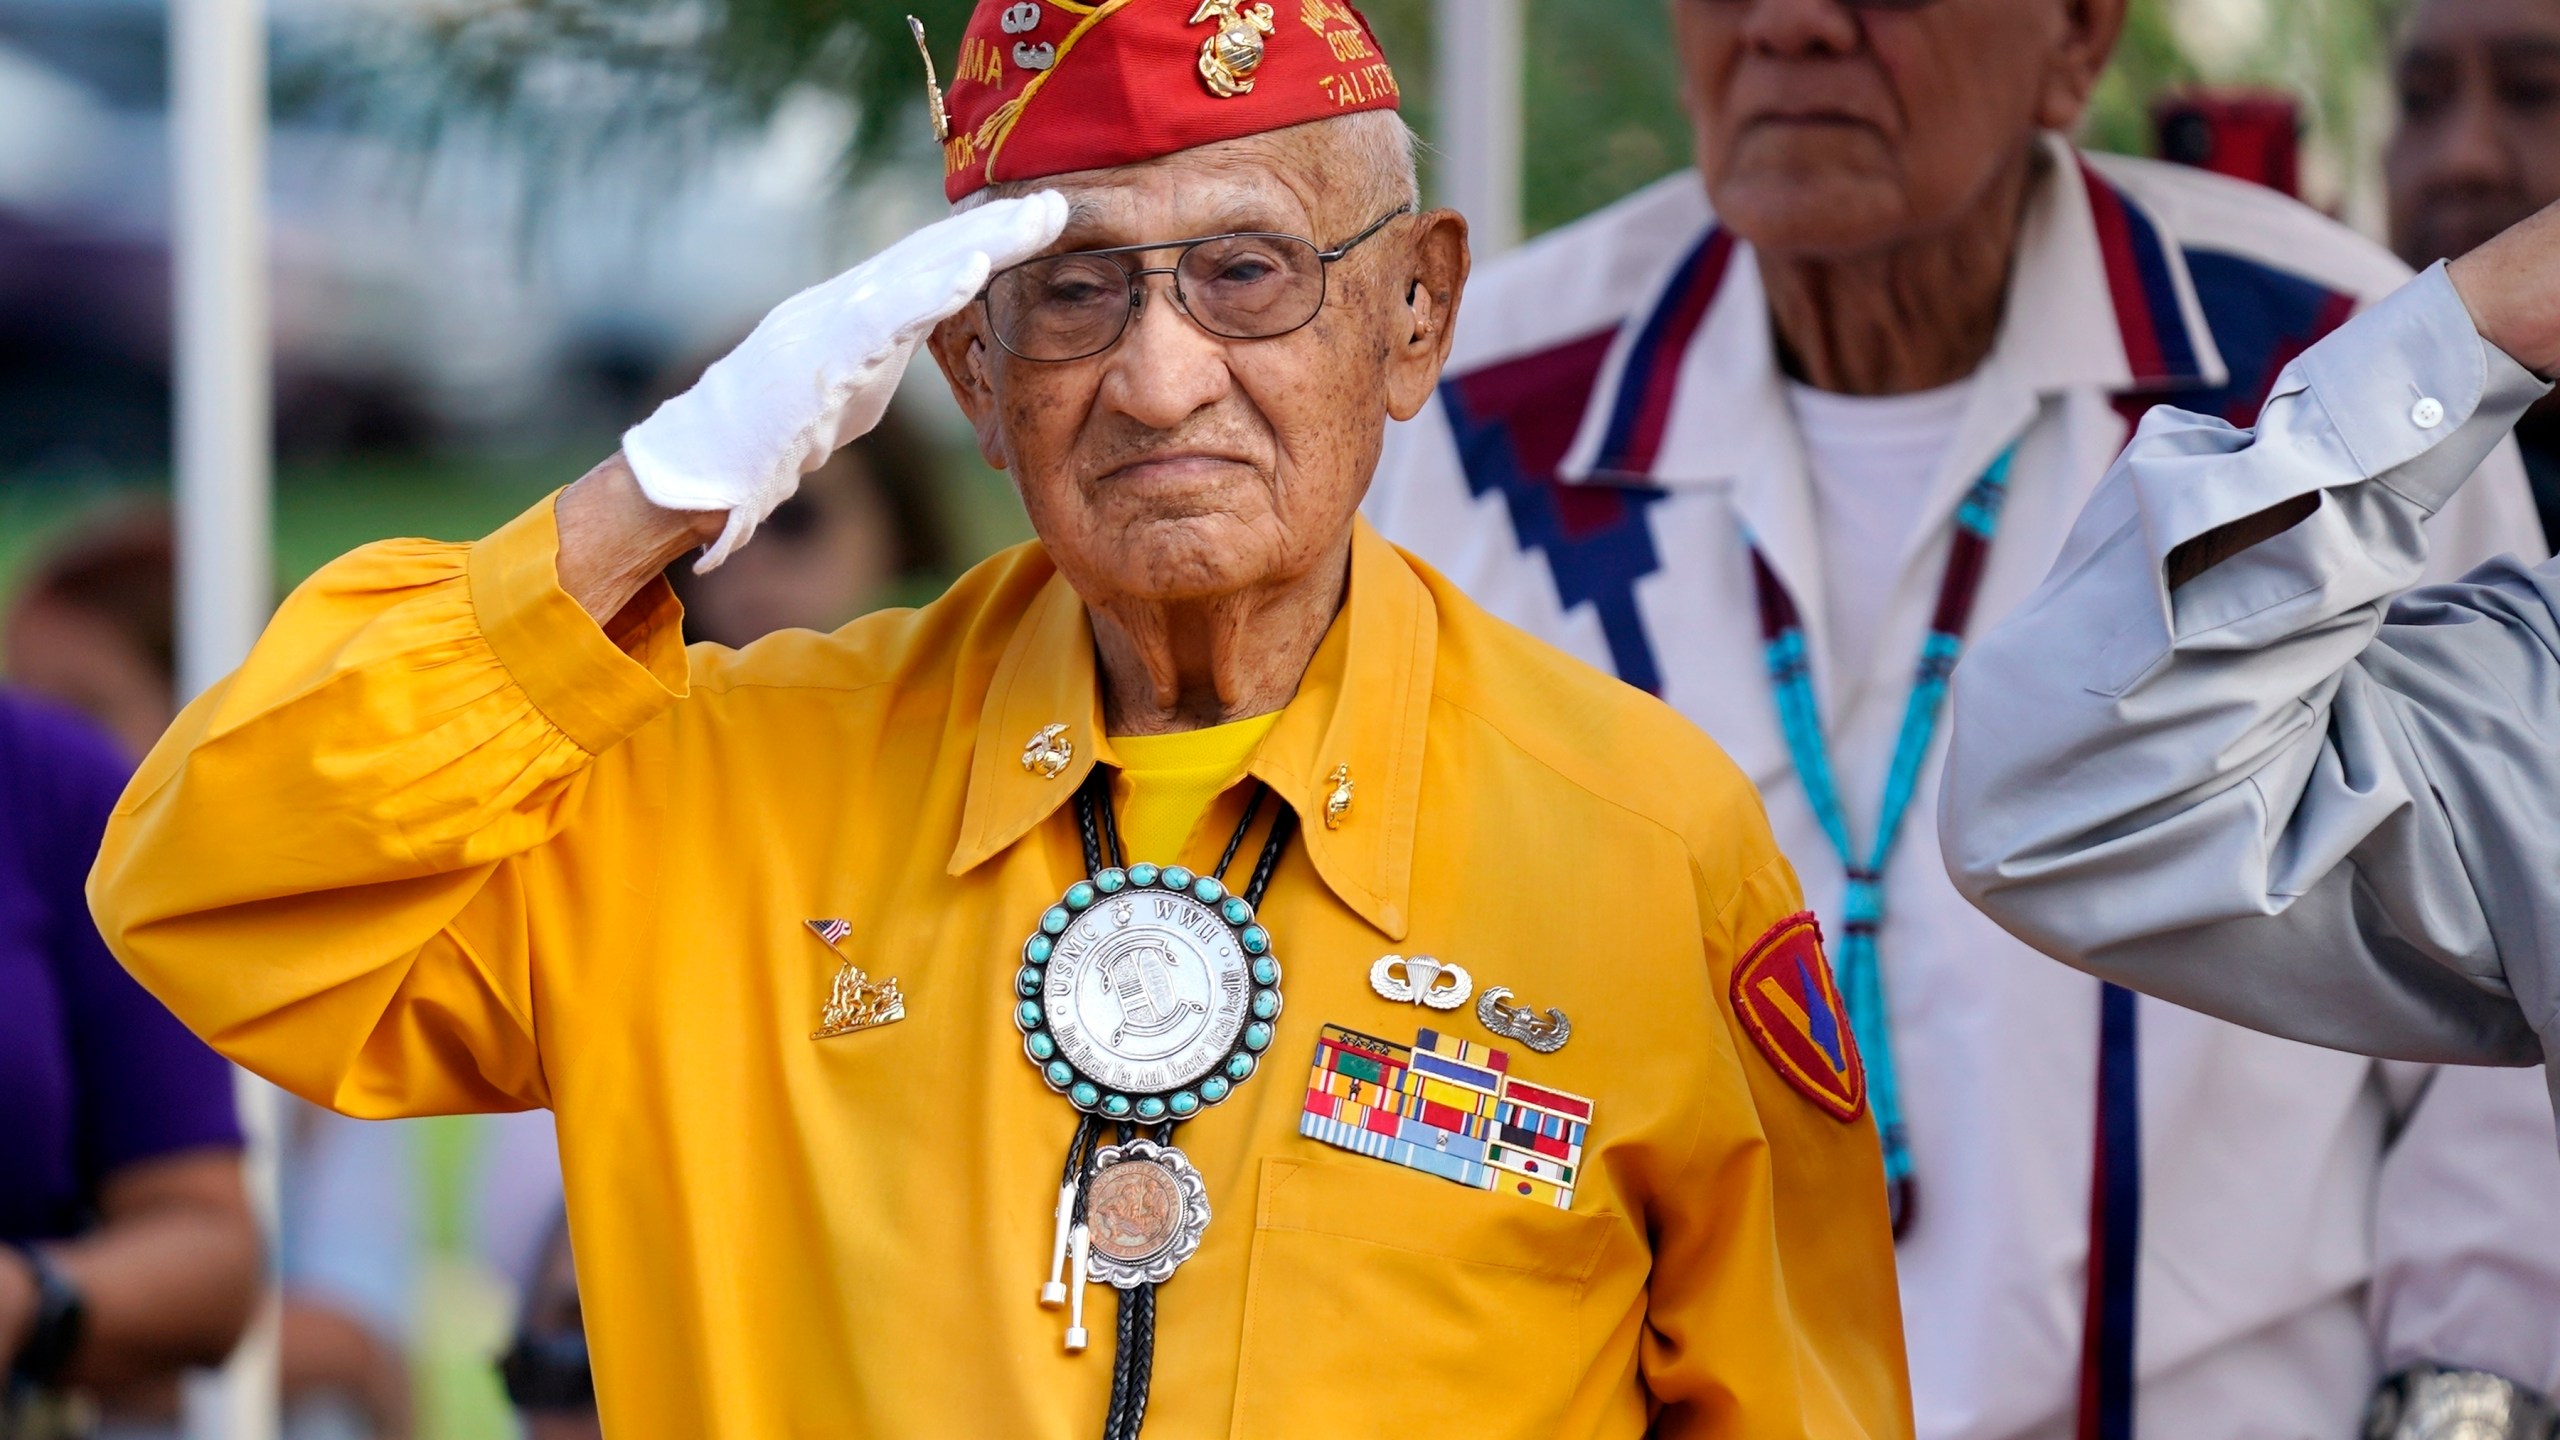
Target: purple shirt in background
94,1074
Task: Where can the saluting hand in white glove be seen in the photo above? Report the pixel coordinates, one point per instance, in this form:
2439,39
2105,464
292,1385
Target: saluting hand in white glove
818,372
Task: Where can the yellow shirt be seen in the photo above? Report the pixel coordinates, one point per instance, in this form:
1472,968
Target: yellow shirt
1167,782
445,844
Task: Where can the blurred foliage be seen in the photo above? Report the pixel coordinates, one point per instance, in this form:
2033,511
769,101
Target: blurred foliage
2335,54
1601,97
560,76
2148,61
324,508
2329,55
1603,106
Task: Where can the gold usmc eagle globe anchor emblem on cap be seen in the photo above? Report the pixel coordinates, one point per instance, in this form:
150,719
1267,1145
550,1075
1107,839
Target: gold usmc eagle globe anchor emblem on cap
1233,52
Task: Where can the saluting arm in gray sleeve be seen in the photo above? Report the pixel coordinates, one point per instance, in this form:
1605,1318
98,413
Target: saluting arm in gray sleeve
2254,794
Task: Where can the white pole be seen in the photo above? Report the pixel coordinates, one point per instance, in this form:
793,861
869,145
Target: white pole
1480,53
224,426
217,140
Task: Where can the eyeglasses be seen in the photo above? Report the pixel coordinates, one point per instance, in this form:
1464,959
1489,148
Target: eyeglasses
1243,286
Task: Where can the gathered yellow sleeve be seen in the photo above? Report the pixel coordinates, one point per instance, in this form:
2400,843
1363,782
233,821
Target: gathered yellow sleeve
326,866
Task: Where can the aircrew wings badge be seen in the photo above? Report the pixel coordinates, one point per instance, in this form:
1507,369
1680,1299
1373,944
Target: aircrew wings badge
1784,995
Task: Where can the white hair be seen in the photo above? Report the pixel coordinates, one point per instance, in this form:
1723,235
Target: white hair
1374,145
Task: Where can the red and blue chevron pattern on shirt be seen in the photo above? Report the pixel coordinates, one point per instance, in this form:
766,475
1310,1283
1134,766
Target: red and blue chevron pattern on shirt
2262,316
1513,422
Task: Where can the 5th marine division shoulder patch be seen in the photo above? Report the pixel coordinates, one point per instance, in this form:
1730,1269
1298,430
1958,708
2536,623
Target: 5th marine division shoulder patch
1784,993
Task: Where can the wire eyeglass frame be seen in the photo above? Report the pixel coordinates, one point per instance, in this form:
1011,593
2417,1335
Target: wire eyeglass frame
1138,283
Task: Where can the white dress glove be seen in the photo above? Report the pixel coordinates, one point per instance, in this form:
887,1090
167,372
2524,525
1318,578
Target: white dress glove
820,369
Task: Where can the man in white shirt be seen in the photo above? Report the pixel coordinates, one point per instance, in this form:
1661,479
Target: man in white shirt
1770,446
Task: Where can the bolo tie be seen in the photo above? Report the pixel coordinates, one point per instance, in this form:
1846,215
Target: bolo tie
1147,994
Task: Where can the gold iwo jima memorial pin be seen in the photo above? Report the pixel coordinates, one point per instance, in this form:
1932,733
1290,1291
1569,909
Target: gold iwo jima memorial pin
857,1002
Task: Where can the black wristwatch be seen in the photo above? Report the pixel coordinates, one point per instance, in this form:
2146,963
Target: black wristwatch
60,1315
548,1372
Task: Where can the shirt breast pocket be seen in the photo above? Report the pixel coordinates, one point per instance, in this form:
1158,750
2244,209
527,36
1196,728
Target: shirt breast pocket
1384,1302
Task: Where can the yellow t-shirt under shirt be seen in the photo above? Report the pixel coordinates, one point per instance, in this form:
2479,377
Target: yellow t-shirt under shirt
1172,780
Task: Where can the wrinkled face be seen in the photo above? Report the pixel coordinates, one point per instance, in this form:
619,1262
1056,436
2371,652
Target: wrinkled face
2478,144
1177,465
1827,130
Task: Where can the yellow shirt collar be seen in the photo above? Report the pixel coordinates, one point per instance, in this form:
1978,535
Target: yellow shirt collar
1362,704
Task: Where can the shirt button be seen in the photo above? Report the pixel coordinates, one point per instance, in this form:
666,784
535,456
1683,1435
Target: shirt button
2427,414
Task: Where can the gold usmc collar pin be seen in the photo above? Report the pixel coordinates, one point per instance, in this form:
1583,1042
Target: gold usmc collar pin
1048,753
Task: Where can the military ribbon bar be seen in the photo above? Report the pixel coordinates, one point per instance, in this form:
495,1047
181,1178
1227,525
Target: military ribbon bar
1447,1107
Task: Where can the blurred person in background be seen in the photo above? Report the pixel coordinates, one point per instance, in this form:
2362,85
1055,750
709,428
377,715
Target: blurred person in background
94,627
545,1369
1762,439
871,517
2477,149
127,1249
521,1225
348,1193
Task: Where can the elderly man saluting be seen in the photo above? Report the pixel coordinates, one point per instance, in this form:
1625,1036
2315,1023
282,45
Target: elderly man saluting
1770,440
1203,903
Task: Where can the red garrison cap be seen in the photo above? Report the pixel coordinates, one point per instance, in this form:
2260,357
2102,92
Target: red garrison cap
1048,86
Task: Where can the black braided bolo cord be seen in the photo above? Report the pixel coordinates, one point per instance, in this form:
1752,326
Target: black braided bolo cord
1133,1363
1093,811
1080,1155
1133,1350
1235,842
1282,825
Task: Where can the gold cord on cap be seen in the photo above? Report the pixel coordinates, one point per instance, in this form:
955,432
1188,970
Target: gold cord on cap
932,86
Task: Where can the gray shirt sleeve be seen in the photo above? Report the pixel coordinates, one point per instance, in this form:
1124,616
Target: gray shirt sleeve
2273,794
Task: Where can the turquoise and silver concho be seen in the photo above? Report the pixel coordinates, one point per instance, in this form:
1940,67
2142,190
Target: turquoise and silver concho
1147,993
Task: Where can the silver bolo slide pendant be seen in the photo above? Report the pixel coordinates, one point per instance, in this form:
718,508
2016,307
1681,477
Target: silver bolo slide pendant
1146,996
